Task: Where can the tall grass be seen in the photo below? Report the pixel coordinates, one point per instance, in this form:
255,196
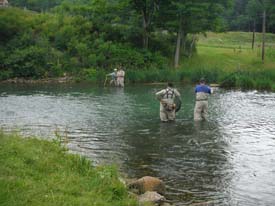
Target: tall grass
35,172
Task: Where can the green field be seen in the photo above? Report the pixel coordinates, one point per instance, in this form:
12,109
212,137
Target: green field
228,58
235,40
233,49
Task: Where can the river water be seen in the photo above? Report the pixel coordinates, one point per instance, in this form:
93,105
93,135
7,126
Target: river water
228,160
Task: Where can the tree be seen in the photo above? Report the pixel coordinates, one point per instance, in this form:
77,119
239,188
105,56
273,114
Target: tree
36,5
147,9
267,7
253,10
191,17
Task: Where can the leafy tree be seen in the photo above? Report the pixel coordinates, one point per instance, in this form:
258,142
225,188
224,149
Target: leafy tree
190,17
36,5
146,10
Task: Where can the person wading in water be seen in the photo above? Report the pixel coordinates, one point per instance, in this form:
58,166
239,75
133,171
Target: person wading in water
167,102
113,78
120,77
201,107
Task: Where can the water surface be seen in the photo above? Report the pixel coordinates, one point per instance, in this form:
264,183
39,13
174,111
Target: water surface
228,160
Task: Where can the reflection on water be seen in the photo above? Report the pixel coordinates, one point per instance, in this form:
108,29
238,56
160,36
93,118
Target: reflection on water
229,160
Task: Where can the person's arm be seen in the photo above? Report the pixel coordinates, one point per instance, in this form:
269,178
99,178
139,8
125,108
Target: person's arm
160,94
209,90
177,94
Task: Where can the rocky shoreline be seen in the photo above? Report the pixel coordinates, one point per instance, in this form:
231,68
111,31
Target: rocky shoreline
150,191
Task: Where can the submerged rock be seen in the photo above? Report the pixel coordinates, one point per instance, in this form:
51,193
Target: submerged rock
151,198
209,203
148,183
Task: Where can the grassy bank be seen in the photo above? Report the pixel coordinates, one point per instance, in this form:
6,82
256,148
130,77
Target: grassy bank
36,172
224,58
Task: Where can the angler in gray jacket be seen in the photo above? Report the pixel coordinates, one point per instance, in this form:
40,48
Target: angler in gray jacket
167,102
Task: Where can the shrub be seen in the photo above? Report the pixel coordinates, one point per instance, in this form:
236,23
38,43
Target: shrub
229,81
28,62
263,84
92,75
5,74
245,82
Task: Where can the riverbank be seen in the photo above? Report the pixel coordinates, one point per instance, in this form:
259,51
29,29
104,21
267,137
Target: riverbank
64,79
236,78
38,172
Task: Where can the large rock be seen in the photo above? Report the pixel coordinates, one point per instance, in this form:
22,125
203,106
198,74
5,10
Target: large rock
148,183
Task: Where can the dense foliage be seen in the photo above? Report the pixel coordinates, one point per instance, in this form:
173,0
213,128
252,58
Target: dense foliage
247,15
88,38
79,37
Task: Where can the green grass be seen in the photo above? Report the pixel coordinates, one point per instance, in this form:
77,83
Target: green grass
225,58
37,172
235,40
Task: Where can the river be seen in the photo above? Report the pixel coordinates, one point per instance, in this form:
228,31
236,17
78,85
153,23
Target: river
228,160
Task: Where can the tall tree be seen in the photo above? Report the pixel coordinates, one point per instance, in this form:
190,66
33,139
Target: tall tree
267,7
147,9
36,5
191,17
253,10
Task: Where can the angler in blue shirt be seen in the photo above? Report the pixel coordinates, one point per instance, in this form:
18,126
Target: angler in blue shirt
201,107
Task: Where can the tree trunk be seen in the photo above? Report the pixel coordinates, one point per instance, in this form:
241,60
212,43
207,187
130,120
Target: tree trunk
178,46
145,37
253,35
263,36
191,45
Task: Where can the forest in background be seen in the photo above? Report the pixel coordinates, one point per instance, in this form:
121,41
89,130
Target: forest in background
87,38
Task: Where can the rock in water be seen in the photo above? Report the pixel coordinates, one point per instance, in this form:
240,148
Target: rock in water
148,183
151,197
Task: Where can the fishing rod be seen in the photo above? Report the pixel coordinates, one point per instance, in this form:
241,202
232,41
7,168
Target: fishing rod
227,77
106,77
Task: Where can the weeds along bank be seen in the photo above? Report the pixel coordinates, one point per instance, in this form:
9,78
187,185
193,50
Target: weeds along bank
228,67
37,172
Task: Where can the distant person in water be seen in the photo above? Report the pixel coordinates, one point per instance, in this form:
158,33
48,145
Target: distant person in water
113,77
201,107
120,77
167,102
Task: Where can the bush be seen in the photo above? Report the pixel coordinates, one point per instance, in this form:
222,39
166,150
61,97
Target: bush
245,82
229,81
263,84
28,62
5,74
92,75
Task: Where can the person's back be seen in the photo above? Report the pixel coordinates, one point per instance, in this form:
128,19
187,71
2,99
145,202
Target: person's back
201,107
120,77
167,106
202,92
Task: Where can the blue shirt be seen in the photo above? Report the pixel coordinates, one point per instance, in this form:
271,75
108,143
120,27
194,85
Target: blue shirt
202,88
